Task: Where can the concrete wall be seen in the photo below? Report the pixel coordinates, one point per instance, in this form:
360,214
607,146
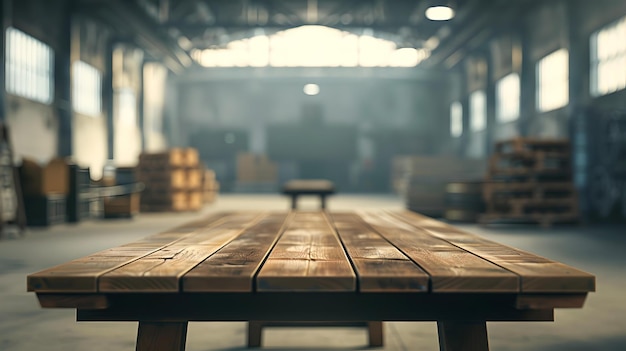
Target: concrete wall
395,111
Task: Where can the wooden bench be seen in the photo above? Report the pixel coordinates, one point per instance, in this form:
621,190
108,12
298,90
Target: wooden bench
319,187
313,267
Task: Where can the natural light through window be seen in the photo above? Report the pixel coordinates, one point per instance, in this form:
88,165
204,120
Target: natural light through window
478,111
456,119
86,89
508,98
311,46
29,67
608,59
553,81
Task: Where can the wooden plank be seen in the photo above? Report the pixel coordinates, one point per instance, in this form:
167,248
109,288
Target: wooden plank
380,266
161,270
538,274
78,301
232,268
451,269
307,257
81,275
549,301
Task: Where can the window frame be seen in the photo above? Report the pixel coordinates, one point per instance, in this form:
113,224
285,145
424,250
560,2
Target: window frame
86,89
608,33
29,67
550,79
508,110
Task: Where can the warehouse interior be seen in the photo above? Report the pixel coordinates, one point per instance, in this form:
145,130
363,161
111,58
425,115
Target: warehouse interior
506,118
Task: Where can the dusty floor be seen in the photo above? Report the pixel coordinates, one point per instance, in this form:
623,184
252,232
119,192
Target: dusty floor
24,326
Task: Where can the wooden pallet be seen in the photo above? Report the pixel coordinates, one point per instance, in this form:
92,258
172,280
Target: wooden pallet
545,220
532,144
531,161
532,190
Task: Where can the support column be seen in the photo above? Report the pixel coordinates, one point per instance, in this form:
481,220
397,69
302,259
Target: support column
107,97
62,84
5,21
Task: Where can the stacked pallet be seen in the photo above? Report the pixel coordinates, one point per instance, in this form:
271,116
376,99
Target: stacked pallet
530,181
172,179
423,180
210,186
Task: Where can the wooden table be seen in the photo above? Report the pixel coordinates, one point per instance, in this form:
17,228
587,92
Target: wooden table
298,187
311,267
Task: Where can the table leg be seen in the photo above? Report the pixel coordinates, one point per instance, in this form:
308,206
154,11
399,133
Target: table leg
161,336
375,333
462,336
323,201
294,202
255,332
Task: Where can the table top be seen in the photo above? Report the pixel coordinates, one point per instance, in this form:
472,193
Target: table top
313,252
312,186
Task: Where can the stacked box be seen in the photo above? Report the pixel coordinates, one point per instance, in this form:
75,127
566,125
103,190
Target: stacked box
172,179
252,168
530,181
210,186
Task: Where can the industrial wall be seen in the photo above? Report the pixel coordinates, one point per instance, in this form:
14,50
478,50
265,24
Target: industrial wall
383,113
518,47
120,131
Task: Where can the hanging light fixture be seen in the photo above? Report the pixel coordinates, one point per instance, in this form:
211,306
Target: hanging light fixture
440,11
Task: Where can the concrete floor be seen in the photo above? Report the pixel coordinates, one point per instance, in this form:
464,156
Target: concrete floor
24,326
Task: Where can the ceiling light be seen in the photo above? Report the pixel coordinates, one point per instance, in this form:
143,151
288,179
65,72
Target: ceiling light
439,13
311,89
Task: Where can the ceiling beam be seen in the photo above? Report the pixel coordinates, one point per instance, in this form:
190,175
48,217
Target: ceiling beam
130,19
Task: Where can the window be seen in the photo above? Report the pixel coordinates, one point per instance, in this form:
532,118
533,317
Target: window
508,98
478,111
456,119
608,59
29,67
86,89
553,81
126,107
311,46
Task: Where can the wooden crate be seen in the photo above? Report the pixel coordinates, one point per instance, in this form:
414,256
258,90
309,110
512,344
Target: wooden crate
121,206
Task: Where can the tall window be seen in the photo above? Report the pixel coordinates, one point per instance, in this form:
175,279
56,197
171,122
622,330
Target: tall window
553,81
508,98
126,107
608,59
86,89
456,119
29,67
478,111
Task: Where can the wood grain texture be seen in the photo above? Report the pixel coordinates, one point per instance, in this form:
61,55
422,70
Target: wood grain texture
81,275
307,257
161,271
78,301
537,274
380,266
232,268
451,269
549,301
